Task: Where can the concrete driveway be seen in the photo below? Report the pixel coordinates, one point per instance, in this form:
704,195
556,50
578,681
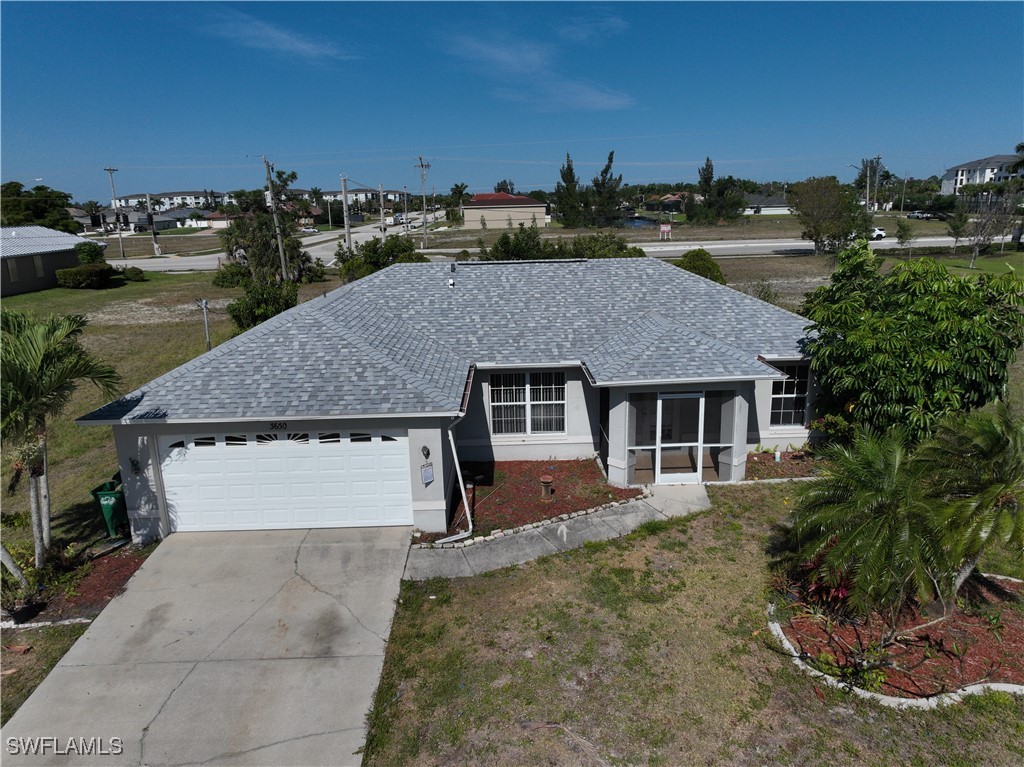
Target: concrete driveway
241,648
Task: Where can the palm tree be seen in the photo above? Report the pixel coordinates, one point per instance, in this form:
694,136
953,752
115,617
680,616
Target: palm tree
1018,165
867,520
43,361
975,463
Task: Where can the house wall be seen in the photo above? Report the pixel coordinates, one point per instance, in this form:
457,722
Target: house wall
759,428
19,274
497,217
143,486
580,440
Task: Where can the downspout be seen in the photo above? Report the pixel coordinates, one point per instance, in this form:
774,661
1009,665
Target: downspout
455,456
462,486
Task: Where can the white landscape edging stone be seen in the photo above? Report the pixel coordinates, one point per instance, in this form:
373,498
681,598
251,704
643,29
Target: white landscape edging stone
942,699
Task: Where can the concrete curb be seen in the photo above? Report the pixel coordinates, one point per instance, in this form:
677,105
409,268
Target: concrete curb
943,699
8,625
565,532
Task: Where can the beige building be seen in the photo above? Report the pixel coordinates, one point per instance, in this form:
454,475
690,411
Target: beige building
501,211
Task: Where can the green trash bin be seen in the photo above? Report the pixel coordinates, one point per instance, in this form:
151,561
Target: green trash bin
110,500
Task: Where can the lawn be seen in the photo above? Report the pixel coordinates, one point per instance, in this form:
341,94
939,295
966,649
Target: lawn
647,650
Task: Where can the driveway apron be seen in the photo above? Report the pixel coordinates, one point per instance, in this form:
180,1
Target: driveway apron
240,648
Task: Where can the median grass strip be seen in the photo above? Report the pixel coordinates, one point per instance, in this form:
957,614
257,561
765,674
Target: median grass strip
647,650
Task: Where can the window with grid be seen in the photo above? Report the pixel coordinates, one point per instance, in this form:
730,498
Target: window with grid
528,403
789,397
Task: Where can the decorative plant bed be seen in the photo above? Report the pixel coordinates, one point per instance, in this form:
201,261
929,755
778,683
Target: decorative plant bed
791,464
508,494
979,643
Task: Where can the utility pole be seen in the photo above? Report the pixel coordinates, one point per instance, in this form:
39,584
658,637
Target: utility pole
878,175
405,203
205,306
424,167
383,229
903,197
277,222
344,207
152,224
330,223
117,222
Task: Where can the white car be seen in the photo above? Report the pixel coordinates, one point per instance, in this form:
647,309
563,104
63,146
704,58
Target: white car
309,230
877,234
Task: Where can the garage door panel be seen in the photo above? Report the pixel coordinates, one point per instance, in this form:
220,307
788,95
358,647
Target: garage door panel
242,482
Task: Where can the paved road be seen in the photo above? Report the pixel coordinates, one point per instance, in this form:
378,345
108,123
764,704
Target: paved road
324,246
230,648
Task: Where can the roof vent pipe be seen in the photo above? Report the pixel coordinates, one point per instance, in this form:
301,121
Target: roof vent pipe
451,283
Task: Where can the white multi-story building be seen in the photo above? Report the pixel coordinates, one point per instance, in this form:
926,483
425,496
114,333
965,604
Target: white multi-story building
168,200
994,169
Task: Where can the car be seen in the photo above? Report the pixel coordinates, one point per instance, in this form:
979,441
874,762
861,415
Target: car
309,230
877,234
916,214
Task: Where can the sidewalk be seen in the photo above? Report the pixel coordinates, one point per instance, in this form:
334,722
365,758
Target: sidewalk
476,556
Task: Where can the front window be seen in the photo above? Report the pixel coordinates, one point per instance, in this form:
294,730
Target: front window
789,397
528,403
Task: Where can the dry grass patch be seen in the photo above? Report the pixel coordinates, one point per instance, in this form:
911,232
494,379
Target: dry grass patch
647,650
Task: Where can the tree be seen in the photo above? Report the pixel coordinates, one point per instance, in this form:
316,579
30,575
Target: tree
89,253
43,362
867,525
522,244
910,346
605,190
457,195
38,206
974,462
252,240
699,261
376,254
706,177
904,233
262,300
1018,164
506,185
990,222
956,227
568,206
828,212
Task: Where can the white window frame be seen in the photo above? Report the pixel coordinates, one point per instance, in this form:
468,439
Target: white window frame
779,392
531,382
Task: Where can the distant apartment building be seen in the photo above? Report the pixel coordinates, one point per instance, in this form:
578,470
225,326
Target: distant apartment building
168,200
989,169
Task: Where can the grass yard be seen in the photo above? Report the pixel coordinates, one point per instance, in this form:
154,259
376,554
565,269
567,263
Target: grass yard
646,650
23,671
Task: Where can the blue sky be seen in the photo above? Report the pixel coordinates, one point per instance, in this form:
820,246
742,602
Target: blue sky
189,95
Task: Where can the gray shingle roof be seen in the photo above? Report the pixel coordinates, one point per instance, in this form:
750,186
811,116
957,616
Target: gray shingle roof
402,341
35,240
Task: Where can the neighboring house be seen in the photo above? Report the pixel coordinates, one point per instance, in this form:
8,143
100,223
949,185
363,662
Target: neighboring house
89,222
218,220
501,210
31,256
190,217
349,410
765,204
995,169
667,203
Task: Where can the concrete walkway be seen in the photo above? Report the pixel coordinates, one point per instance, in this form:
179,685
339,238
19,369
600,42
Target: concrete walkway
515,548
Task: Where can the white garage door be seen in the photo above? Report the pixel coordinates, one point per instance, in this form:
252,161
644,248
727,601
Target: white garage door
281,480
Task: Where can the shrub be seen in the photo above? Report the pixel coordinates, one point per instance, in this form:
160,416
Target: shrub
262,300
699,262
314,272
133,274
836,429
85,276
230,275
89,253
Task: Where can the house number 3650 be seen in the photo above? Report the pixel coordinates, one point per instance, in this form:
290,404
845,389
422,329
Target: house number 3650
278,425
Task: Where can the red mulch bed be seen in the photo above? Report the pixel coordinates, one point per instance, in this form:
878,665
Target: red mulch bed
509,493
105,578
984,643
791,464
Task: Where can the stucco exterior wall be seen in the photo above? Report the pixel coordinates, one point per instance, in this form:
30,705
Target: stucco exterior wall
138,459
28,280
497,217
580,440
761,432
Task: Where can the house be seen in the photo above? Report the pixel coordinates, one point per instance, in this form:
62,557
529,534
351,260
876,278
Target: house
668,203
989,169
351,409
502,210
766,204
31,256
